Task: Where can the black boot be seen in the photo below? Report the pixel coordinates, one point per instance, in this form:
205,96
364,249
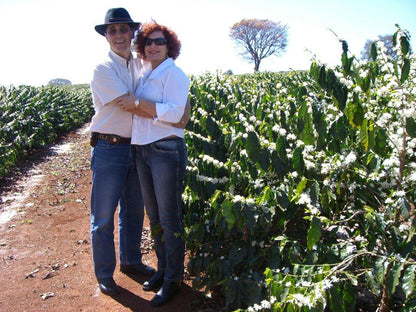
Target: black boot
155,282
165,293
108,286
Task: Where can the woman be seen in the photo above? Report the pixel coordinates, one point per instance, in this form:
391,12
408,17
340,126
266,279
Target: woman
161,152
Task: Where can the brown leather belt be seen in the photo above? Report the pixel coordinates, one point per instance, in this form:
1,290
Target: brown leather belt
112,138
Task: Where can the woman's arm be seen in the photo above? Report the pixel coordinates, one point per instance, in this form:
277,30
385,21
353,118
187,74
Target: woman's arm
127,102
147,109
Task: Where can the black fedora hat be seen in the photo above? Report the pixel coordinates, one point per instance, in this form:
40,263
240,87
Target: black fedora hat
116,16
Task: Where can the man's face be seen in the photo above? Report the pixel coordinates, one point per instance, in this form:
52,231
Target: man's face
119,37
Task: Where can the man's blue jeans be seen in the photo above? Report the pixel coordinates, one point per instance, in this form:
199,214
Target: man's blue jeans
115,182
161,167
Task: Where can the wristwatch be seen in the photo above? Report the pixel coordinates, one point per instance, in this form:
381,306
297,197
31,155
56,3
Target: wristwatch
136,103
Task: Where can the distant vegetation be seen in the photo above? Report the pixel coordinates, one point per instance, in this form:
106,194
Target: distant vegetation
59,82
31,118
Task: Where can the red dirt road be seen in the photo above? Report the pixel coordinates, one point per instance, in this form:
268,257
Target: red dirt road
45,252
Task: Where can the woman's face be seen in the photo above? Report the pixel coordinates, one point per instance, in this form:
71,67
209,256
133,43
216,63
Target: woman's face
156,49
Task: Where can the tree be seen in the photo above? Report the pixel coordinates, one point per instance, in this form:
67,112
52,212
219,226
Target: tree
59,82
259,39
388,43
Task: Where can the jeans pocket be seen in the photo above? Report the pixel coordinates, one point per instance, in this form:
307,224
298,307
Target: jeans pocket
165,146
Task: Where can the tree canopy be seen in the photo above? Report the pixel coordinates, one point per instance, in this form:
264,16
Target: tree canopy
388,44
59,82
259,39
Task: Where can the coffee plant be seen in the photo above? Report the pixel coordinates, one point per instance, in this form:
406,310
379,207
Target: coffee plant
300,188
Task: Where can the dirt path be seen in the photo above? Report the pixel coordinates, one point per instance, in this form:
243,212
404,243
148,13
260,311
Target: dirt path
45,252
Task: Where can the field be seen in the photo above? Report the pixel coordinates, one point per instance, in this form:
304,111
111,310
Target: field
300,186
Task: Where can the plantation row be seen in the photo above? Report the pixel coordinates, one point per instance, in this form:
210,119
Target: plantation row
32,118
300,187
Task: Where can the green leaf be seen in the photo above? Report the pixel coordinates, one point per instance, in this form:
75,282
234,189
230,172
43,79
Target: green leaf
299,188
404,45
404,207
250,215
380,267
341,95
278,165
228,214
307,131
254,293
381,142
298,162
408,281
264,159
348,298
374,51
230,291
364,135
322,77
355,112
365,83
411,127
212,127
314,232
335,298
393,277
253,146
331,79
405,70
314,194
314,70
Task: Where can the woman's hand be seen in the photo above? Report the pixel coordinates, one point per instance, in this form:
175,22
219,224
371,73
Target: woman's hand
126,102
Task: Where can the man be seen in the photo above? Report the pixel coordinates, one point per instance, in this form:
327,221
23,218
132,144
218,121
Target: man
114,176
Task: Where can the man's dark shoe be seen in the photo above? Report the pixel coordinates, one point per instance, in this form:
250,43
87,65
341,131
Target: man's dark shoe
155,282
168,290
137,269
108,286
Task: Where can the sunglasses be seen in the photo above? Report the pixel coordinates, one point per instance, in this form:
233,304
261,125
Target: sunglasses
157,41
123,30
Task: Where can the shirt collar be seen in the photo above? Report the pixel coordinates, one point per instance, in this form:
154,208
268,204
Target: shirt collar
162,66
120,60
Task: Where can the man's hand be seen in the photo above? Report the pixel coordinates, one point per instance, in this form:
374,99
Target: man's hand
126,102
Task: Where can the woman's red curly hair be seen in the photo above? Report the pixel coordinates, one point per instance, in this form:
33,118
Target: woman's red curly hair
174,45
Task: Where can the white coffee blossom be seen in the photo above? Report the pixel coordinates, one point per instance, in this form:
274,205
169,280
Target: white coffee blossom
301,300
399,194
304,199
238,198
212,180
265,304
357,89
291,137
351,157
326,168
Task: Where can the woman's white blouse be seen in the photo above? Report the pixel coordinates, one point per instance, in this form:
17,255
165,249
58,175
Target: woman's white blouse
168,86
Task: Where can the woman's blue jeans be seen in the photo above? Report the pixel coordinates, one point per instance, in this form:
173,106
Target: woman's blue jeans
115,183
161,167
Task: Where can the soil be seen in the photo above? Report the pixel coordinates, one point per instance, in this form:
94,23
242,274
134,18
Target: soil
45,251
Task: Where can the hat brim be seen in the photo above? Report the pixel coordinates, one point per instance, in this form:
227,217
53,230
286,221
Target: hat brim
101,29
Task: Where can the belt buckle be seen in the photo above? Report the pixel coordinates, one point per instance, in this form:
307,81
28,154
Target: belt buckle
114,140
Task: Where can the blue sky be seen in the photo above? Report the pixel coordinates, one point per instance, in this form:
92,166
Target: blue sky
47,39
